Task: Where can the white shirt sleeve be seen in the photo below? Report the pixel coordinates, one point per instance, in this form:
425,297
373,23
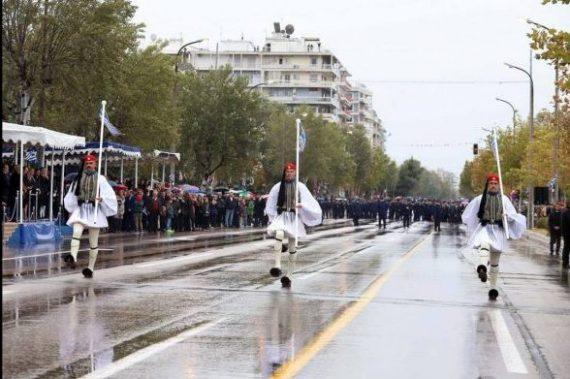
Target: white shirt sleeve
108,198
469,216
271,205
517,222
311,213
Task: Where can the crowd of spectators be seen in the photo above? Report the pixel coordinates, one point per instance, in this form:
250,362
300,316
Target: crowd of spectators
171,210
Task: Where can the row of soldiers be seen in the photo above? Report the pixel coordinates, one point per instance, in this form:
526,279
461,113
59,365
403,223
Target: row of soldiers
397,209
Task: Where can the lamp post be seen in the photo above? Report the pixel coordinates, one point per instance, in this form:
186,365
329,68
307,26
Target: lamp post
182,48
530,218
556,148
512,107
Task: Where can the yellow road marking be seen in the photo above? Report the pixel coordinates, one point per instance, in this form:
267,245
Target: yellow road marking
291,367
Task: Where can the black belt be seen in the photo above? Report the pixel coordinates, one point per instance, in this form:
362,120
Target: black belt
492,222
81,202
287,210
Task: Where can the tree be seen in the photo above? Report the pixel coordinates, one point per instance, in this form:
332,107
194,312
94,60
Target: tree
50,48
360,152
554,46
409,177
465,184
222,121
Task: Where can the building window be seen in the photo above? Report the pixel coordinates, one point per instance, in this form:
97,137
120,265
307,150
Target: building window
313,77
314,61
280,60
287,78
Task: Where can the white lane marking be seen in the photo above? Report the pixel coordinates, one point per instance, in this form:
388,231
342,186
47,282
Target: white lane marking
509,351
146,353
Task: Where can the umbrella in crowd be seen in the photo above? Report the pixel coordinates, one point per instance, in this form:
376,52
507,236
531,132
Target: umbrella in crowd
189,188
70,177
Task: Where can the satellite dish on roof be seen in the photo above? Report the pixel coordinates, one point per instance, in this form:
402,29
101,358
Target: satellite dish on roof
289,29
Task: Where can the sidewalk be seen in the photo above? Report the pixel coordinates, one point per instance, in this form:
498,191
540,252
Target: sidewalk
538,235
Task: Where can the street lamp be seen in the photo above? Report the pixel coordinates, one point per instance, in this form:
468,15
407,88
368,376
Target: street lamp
556,105
183,47
530,217
512,107
262,84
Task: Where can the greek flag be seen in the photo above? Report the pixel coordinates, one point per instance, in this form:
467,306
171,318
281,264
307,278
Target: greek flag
31,156
110,127
302,139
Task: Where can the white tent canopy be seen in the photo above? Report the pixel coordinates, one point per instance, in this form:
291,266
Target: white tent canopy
36,135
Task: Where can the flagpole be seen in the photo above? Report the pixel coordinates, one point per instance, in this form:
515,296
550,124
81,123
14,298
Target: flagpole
103,103
298,127
496,148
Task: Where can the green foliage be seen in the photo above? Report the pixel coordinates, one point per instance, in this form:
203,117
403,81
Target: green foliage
62,52
465,184
221,124
360,152
408,178
554,46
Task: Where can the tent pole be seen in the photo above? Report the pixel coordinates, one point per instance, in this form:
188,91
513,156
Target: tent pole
51,189
136,172
21,199
62,182
121,170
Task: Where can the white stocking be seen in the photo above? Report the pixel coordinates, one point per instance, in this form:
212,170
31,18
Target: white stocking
494,270
76,239
93,247
292,257
279,235
484,252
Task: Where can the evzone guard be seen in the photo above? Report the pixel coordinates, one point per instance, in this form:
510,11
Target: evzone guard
88,189
485,217
288,220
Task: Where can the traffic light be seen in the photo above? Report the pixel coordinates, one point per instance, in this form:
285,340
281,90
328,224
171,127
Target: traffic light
475,149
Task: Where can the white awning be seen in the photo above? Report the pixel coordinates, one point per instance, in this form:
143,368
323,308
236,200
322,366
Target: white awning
36,135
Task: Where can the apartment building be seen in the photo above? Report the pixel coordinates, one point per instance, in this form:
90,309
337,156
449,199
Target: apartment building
363,113
291,70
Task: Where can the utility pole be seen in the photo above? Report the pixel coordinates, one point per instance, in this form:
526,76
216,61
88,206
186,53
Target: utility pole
173,145
556,147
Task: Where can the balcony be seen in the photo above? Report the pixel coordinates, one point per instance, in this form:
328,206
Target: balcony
305,67
302,84
306,100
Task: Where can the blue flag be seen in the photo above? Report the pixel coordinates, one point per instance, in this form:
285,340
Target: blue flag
32,156
302,139
110,127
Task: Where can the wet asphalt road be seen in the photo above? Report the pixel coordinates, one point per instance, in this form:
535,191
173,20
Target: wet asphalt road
364,303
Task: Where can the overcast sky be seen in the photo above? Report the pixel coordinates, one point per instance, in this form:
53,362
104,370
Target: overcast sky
411,53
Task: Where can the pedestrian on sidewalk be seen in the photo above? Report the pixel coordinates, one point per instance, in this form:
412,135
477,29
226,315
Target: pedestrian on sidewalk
554,224
138,206
484,219
565,232
231,205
